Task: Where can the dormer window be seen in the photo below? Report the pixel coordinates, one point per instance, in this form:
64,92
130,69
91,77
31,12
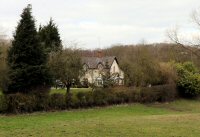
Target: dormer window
100,66
85,67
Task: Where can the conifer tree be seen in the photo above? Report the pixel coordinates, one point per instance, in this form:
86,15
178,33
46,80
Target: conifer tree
50,37
27,59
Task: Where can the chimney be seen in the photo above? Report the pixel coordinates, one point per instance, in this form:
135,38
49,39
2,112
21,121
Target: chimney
99,54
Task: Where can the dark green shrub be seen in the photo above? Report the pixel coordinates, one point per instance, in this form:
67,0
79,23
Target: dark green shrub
190,86
159,93
188,81
57,101
70,103
3,104
22,103
120,96
136,96
42,102
84,99
123,94
100,97
19,103
167,92
148,94
89,99
111,96
74,103
81,96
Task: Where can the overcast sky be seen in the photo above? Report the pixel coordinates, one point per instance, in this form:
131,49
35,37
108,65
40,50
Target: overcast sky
102,23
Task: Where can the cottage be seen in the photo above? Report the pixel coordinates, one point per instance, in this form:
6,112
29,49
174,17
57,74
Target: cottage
97,67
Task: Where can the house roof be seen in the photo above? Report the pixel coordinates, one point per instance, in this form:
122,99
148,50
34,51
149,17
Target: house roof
93,62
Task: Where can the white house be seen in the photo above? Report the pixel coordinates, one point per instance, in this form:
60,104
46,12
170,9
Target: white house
97,67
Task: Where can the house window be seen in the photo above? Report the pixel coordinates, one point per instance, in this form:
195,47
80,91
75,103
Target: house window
99,82
117,80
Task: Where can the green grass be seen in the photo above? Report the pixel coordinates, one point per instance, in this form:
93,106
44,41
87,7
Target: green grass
72,90
63,91
190,106
176,119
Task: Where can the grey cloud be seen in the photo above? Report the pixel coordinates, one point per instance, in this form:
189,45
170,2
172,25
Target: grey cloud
111,21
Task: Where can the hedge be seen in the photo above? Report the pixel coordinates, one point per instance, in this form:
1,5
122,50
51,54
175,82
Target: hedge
26,103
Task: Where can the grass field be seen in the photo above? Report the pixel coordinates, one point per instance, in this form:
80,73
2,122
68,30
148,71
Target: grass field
176,119
72,90
63,91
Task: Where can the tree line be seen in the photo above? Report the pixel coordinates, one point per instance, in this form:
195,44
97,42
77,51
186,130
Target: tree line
36,59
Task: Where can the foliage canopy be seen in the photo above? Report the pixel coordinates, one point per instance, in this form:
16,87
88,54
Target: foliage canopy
188,79
66,66
26,58
50,38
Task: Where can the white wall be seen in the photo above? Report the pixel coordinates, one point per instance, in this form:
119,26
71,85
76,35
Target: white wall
91,75
115,69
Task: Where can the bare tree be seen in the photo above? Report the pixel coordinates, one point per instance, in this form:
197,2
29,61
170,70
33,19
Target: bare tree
196,17
175,36
3,35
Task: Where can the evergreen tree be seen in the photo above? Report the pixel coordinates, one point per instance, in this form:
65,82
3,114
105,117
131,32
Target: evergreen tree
50,38
27,59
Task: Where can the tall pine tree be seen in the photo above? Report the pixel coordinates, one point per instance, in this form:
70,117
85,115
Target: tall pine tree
27,59
50,37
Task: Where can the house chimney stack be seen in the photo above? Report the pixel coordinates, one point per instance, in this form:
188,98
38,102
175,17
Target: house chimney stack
99,54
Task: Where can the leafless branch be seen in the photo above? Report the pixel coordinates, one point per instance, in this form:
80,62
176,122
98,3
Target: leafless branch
174,37
196,17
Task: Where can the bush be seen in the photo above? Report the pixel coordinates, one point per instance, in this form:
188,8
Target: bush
148,95
159,93
121,95
100,97
3,104
57,101
189,86
167,93
21,103
41,101
82,100
89,99
188,79
71,100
